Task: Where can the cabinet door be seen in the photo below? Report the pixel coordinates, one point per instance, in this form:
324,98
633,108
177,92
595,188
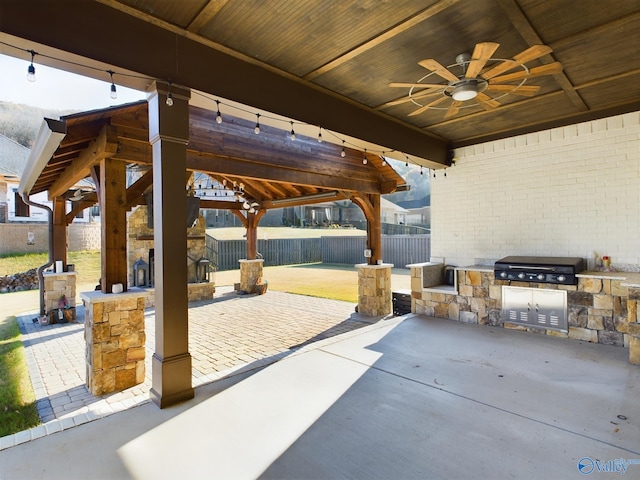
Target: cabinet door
535,307
549,309
516,304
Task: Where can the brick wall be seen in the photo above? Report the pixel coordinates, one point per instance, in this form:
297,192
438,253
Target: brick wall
567,191
14,237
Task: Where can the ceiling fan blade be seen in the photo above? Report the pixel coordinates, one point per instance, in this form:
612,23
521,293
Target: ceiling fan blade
531,53
428,105
481,54
487,102
524,90
417,96
415,85
438,69
453,109
548,69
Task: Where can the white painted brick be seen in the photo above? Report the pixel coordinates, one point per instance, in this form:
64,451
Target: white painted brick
565,191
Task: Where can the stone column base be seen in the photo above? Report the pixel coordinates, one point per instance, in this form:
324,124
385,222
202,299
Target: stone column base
250,272
115,336
374,289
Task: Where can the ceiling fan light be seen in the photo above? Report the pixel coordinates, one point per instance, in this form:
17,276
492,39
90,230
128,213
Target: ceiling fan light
464,92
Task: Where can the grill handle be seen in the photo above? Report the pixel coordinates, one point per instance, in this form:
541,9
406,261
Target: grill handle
531,267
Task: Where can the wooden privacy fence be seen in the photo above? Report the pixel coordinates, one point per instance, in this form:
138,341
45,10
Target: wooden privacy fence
400,250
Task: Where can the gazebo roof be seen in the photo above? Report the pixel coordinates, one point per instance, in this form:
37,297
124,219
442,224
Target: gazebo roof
274,170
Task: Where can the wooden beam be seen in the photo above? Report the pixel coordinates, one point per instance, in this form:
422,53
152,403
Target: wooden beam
524,27
162,50
293,202
135,191
77,207
210,10
114,224
402,27
104,146
243,168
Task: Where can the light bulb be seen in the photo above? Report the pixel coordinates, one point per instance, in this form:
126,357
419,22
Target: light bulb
169,100
31,70
31,73
114,94
320,135
293,134
343,153
218,115
257,129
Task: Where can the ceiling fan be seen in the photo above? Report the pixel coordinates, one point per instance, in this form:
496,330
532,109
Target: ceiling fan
482,78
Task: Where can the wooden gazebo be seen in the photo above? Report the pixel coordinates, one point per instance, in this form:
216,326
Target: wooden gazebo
175,141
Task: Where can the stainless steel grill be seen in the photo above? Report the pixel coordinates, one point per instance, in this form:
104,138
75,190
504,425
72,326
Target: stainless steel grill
554,270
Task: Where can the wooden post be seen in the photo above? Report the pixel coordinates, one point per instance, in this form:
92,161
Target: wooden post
252,237
370,205
169,135
113,219
59,230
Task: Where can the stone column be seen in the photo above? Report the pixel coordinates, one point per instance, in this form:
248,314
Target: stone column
57,285
374,289
250,271
633,316
115,340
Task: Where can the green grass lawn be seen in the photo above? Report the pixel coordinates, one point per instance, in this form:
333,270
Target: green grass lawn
17,401
87,264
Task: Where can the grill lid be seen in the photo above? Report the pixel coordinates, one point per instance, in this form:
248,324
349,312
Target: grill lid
568,264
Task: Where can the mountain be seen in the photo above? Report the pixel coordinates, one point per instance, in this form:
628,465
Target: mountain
419,180
20,123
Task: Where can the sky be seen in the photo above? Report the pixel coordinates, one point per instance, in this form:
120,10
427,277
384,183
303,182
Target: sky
57,89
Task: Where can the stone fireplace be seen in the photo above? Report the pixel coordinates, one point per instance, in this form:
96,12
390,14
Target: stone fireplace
140,245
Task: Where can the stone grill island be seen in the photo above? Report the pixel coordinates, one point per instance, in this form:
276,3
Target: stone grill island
601,308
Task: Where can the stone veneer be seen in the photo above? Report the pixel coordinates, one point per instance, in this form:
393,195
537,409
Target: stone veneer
374,289
140,241
55,286
250,272
115,340
602,308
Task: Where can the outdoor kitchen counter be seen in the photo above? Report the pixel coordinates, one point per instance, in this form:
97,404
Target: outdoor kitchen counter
628,279
477,268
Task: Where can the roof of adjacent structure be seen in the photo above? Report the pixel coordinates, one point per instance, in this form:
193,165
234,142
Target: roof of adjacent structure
13,157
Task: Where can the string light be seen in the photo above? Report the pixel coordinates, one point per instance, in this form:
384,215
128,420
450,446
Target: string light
420,169
31,70
169,97
114,93
218,115
364,157
293,134
170,100
445,172
384,161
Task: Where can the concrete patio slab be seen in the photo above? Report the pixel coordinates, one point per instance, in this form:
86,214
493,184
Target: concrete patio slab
411,397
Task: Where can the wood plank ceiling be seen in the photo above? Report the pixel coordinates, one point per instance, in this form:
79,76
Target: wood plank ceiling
330,62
